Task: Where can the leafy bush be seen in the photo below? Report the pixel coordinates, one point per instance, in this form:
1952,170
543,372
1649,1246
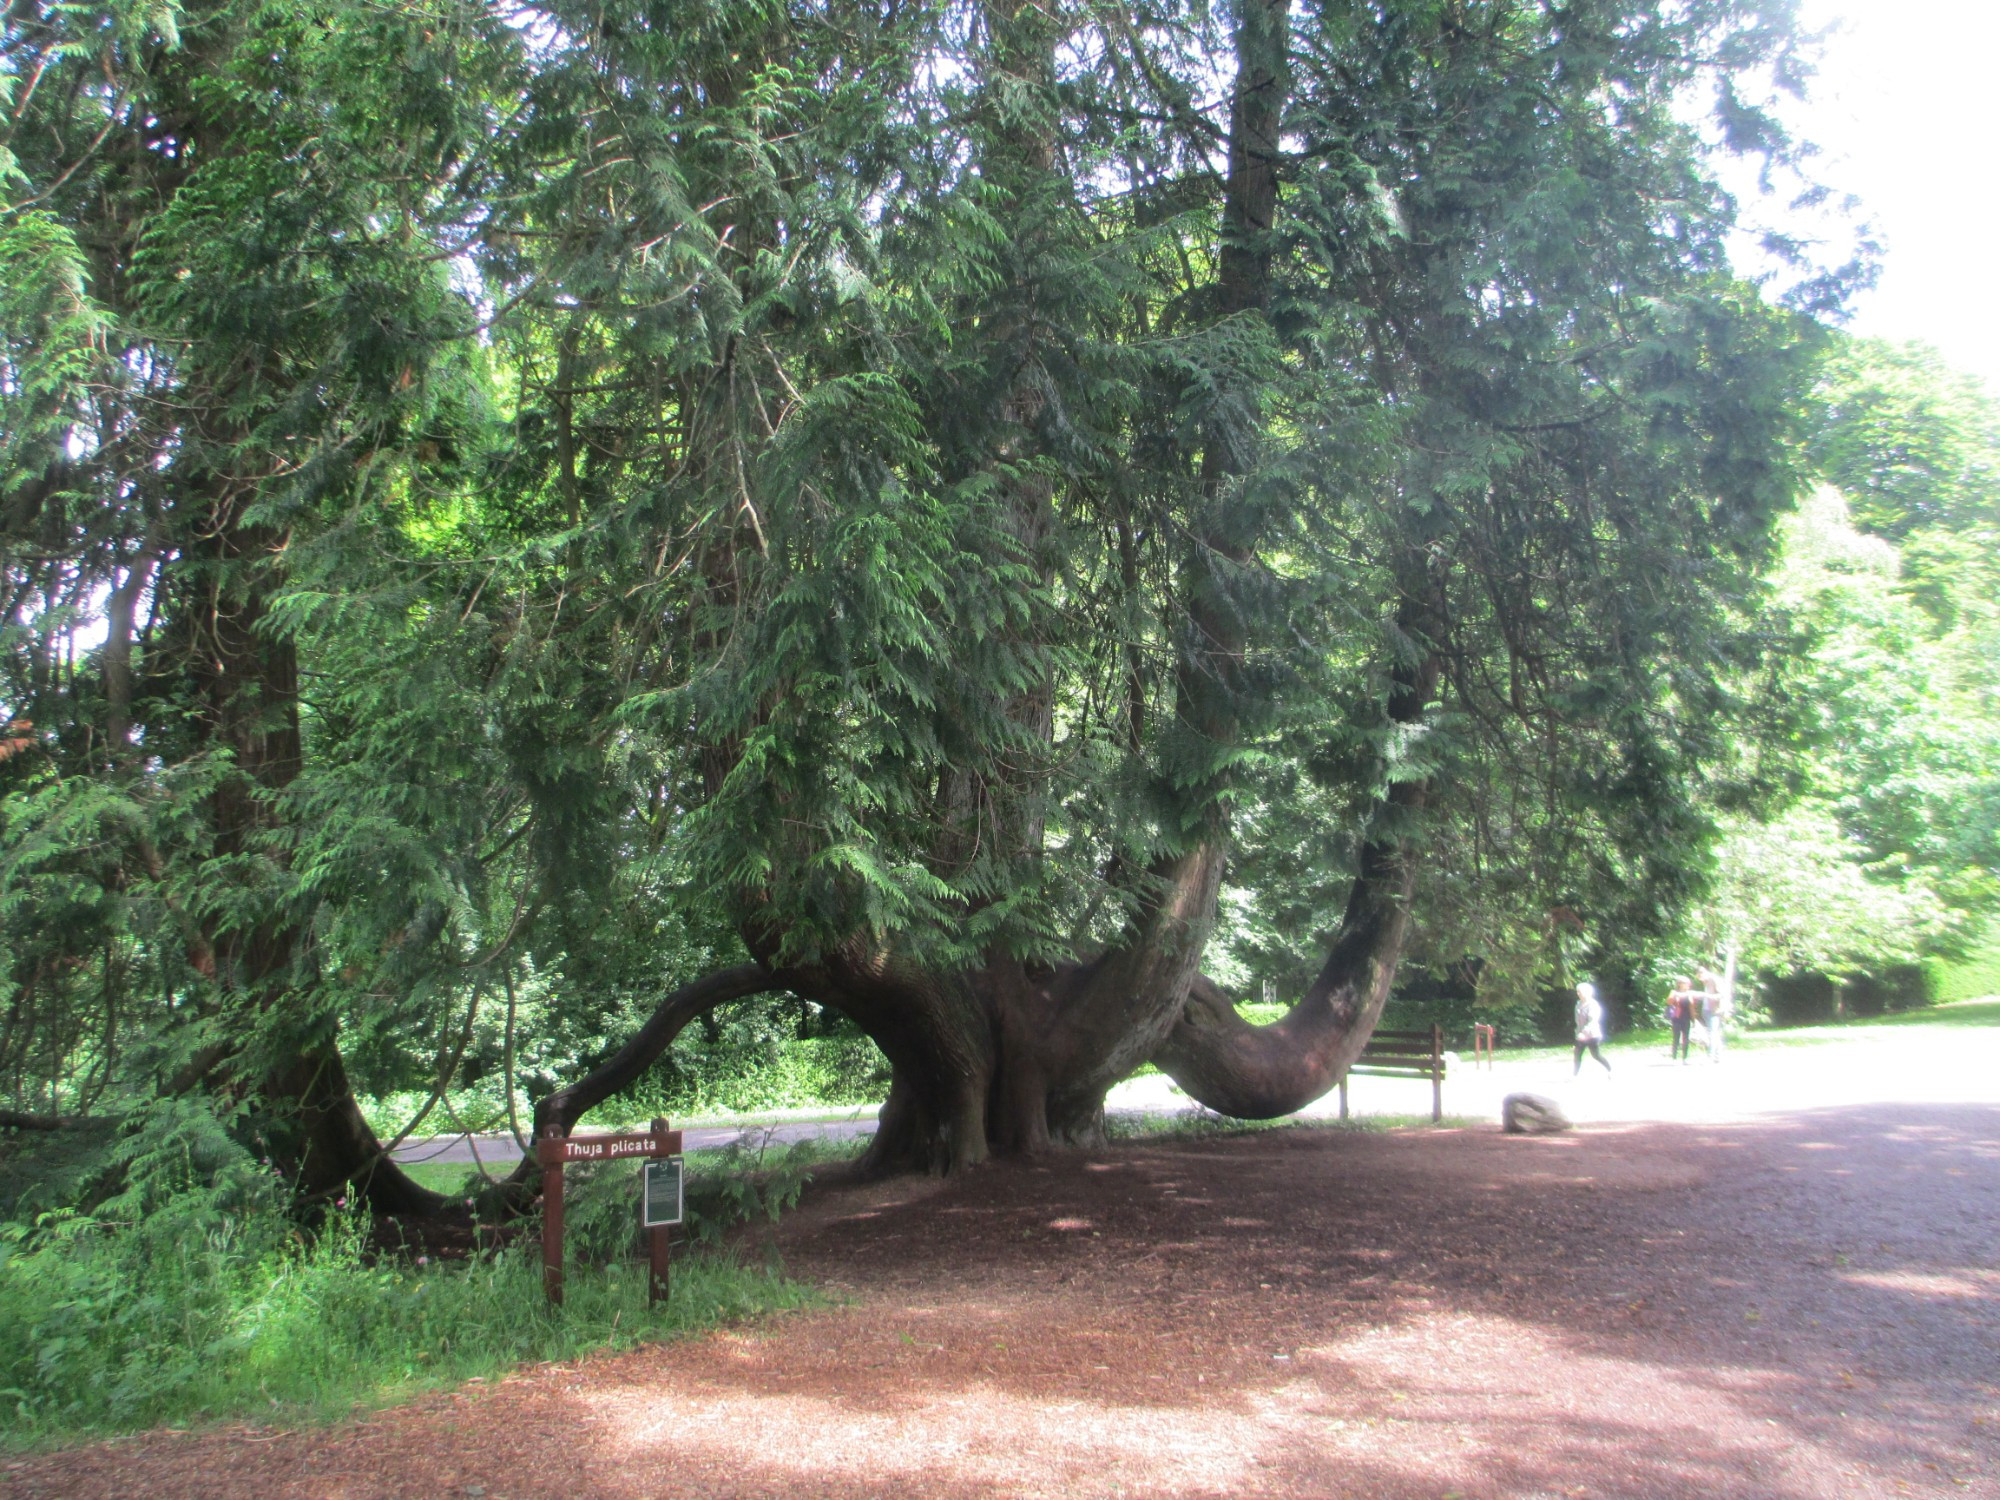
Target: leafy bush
756,1061
1973,977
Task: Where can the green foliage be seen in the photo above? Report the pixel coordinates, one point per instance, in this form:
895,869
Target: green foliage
505,519
106,1329
754,1180
1913,444
745,1074
1973,977
1885,854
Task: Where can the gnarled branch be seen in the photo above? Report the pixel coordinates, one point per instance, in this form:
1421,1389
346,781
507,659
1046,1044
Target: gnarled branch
567,1105
1261,1072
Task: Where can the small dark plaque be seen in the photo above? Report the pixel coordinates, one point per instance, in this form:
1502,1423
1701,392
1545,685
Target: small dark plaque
663,1192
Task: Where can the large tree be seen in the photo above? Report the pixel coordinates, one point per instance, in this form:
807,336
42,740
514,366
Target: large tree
915,499
230,328
1380,416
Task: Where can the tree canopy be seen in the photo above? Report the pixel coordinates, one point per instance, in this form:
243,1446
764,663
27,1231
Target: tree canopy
1887,578
591,512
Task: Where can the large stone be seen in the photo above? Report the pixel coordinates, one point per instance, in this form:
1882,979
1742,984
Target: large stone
1531,1114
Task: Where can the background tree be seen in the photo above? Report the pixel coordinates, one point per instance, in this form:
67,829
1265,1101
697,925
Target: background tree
1885,857
236,348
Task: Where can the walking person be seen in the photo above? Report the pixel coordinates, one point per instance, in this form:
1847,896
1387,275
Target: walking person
1680,1018
1589,1025
1713,1011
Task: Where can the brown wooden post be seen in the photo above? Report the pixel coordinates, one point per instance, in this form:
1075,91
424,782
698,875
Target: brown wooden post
658,1279
552,1214
1437,1073
1343,1096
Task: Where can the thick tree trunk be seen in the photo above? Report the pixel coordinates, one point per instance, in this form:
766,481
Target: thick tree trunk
246,681
330,1143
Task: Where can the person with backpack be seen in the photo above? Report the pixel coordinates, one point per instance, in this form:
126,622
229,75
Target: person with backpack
1680,1018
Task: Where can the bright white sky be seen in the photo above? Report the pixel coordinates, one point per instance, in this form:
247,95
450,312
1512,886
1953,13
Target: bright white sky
1907,110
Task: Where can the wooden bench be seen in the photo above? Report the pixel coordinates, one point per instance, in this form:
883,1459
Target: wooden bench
1402,1054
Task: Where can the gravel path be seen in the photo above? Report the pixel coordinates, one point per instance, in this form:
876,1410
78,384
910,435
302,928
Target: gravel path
1788,1289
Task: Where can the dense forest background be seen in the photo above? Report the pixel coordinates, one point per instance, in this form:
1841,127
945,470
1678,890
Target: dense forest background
510,512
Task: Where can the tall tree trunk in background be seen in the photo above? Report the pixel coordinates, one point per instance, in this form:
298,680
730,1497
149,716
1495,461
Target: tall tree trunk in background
245,679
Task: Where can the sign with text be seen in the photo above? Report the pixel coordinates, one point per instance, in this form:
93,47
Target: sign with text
663,1195
607,1147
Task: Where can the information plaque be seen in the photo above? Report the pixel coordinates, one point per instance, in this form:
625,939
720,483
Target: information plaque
664,1196
660,1195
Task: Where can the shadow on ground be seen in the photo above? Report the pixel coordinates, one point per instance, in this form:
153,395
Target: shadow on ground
1802,1306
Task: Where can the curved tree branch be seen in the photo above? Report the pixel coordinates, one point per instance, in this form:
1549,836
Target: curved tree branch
566,1106
1260,1072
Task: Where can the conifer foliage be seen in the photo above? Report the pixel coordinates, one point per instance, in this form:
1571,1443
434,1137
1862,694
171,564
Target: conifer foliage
895,502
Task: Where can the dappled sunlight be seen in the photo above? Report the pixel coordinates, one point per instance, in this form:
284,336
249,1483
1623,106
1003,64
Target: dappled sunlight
1795,1307
1430,1403
1453,1383
980,1434
1969,1281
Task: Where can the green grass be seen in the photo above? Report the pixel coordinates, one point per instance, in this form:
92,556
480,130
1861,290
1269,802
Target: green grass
1957,1016
193,1315
294,1332
303,1332
448,1177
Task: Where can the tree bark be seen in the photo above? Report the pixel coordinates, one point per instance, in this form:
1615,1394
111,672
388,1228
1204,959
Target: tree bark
246,683
1262,1072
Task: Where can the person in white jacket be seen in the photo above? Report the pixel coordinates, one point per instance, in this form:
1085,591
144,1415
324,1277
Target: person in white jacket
1714,1010
1589,1025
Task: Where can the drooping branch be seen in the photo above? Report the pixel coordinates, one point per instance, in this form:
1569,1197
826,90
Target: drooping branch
567,1105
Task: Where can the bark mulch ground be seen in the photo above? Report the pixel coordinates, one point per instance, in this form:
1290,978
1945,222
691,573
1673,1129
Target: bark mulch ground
1800,1306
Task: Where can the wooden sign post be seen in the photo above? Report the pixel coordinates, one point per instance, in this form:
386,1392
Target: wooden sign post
556,1150
662,1198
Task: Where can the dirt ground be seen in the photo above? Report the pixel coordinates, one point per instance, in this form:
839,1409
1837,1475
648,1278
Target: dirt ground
1799,1304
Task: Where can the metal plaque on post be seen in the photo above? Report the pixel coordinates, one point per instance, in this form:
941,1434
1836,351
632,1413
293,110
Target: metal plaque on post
663,1196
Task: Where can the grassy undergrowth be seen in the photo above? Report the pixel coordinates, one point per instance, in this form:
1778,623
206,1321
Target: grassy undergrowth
194,1314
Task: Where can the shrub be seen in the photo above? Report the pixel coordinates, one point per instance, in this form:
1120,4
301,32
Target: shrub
1974,977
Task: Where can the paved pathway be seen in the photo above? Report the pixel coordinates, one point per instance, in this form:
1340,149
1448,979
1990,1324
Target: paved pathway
1871,1065
499,1153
